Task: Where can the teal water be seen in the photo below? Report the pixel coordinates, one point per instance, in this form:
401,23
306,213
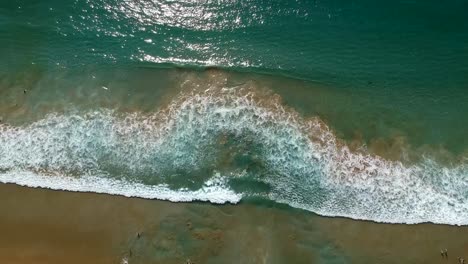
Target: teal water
343,108
401,58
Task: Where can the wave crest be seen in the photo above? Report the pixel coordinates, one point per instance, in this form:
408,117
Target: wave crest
243,133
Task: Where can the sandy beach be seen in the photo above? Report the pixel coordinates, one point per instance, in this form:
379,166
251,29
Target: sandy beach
44,226
206,132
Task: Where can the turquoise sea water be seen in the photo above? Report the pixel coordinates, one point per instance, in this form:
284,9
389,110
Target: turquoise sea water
343,108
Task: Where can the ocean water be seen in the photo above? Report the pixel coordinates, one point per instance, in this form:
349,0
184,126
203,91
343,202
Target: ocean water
343,108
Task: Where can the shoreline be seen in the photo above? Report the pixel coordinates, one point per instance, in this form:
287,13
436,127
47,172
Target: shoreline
51,226
241,202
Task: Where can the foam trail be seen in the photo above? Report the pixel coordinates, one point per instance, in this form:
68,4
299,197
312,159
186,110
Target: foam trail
213,191
172,154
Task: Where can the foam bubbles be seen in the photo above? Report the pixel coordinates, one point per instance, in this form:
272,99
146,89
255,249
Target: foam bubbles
213,191
172,155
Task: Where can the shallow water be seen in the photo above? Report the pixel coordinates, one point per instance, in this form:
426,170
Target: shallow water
343,109
402,64
216,136
45,226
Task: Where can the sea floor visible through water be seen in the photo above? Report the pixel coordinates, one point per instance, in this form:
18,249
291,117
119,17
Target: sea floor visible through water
278,143
45,226
244,131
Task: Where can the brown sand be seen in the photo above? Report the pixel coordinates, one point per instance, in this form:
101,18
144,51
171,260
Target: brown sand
43,226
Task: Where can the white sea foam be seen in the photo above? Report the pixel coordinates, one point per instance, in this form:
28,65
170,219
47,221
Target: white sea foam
213,191
137,154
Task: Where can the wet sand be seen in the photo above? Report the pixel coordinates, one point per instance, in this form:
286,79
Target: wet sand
44,226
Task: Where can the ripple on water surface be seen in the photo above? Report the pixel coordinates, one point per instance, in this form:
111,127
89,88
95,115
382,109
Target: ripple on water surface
213,136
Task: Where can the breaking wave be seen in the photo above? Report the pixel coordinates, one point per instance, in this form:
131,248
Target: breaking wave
220,144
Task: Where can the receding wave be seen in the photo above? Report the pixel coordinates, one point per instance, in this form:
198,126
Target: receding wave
219,144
